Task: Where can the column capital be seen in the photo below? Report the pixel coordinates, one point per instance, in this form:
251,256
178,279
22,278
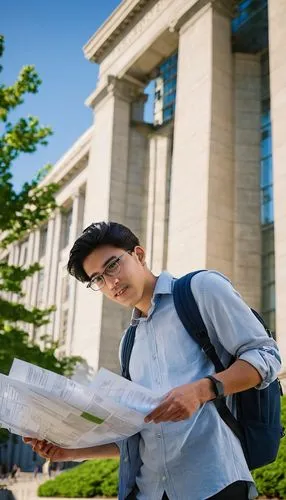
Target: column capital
76,194
123,88
224,7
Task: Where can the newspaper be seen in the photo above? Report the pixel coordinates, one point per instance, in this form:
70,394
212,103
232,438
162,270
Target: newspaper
41,404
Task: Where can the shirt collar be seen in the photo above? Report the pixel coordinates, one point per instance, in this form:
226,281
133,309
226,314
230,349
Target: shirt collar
164,285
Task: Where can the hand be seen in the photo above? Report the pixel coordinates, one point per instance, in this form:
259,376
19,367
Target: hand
179,404
50,451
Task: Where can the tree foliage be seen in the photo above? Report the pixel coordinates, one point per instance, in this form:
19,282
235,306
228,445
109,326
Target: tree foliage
20,213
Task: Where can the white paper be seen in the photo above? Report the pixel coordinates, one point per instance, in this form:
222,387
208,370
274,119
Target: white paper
38,403
125,392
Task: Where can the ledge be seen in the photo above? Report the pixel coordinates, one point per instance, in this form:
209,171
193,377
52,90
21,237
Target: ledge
116,23
71,160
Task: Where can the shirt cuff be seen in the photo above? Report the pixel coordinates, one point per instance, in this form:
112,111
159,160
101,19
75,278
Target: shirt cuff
259,359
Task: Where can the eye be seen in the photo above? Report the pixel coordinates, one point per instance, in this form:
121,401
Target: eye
97,279
112,265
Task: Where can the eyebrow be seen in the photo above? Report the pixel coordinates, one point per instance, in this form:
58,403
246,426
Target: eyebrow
104,266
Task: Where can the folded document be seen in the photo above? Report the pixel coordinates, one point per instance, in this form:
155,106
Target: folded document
38,403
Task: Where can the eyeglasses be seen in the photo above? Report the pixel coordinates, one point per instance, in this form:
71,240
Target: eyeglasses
112,269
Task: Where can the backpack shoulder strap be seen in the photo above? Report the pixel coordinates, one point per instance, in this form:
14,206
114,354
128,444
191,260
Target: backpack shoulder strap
127,346
190,316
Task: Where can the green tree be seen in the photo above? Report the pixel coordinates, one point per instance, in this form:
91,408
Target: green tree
20,213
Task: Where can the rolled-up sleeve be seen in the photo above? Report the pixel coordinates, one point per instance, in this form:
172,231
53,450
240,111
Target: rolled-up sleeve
237,329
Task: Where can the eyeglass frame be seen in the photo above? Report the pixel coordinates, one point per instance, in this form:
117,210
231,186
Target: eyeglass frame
116,260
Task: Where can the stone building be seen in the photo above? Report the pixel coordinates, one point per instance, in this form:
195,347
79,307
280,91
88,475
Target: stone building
203,186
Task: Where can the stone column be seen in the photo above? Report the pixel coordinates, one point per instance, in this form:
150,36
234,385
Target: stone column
99,322
54,283
277,38
247,225
48,259
29,262
137,180
201,209
72,282
35,277
158,199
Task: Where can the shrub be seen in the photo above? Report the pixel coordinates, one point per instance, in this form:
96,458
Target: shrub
271,479
94,477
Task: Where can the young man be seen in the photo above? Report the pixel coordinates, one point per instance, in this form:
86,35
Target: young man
185,451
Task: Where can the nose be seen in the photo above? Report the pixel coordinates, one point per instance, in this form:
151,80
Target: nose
111,282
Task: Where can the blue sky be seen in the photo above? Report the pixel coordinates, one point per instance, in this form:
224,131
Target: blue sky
51,35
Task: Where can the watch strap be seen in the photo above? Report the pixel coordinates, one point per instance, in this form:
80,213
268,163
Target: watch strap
217,387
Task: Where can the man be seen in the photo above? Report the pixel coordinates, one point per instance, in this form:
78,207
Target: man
185,450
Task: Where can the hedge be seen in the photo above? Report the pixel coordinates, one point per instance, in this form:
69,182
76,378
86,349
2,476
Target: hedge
92,478
100,477
271,479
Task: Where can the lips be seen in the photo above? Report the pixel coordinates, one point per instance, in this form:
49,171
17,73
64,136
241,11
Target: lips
121,292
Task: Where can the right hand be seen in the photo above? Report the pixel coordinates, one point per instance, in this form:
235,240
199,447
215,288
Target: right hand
51,451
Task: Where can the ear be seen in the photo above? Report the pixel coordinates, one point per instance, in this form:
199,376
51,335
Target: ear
140,254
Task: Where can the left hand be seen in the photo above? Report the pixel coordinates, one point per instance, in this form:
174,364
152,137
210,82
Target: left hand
179,404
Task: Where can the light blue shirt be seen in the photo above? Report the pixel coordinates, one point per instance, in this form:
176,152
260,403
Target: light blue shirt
195,458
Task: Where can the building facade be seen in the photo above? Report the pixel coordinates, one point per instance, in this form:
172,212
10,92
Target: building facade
202,186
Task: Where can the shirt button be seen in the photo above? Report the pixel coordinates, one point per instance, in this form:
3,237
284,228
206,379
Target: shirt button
159,436
154,356
164,478
126,459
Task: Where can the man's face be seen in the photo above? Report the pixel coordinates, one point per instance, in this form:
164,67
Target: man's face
127,286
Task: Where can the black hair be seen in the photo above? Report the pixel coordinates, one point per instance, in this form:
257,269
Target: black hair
95,235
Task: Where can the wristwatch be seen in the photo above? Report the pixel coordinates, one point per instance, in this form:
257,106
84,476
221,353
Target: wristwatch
217,387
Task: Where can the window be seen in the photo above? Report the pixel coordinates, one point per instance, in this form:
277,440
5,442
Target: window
250,26
40,291
65,288
63,326
165,90
266,178
64,312
23,253
268,276
267,208
66,227
43,241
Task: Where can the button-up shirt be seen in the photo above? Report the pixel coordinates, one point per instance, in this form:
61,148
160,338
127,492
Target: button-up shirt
198,457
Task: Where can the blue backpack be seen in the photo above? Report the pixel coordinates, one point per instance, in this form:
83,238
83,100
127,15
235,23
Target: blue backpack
258,420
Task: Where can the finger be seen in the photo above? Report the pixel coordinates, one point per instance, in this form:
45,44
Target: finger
39,446
159,410
37,442
179,418
28,440
167,411
168,415
48,448
175,417
42,444
53,453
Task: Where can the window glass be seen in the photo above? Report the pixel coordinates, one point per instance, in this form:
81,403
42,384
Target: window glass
40,291
167,80
266,142
66,227
266,171
43,241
